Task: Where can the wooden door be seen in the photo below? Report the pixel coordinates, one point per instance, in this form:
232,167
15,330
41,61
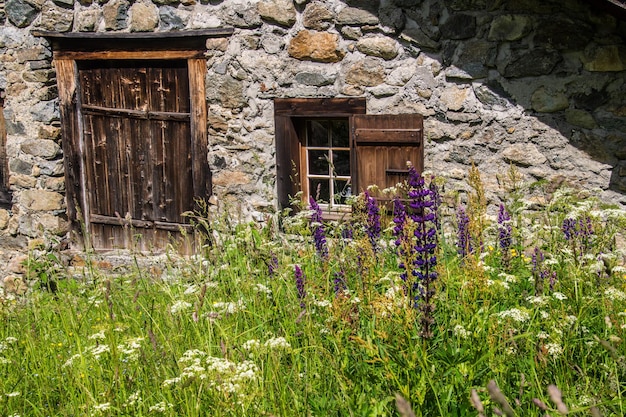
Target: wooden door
138,151
383,145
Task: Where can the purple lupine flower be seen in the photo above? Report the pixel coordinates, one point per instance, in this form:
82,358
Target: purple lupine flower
339,282
373,221
552,280
272,265
537,260
319,236
464,242
504,229
569,228
422,244
300,280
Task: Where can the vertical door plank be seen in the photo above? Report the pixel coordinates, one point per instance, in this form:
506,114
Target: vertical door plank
202,183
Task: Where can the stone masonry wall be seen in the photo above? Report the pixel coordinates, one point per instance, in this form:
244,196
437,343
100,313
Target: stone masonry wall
537,84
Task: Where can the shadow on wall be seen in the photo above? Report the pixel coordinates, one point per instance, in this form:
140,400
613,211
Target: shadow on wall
559,63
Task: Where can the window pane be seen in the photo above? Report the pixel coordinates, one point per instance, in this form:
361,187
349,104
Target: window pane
319,188
340,133
341,161
317,132
318,163
342,191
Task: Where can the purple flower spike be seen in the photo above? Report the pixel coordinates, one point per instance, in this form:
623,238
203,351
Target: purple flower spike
300,280
319,235
373,221
464,242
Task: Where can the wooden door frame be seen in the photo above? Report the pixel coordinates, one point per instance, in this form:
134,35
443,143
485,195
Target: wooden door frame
69,48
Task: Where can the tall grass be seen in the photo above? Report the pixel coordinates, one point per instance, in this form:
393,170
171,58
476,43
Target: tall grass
231,332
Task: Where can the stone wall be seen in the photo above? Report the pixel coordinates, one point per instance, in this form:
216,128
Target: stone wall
537,84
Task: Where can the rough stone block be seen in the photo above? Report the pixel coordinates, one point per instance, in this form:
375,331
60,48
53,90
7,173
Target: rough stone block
41,200
316,46
281,12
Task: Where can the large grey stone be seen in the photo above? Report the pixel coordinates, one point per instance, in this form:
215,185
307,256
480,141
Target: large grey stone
580,118
20,167
281,12
380,46
172,18
314,78
509,27
45,111
317,16
531,63
524,154
20,13
42,148
356,16
392,19
415,34
563,34
115,14
87,20
546,101
459,26
244,17
475,57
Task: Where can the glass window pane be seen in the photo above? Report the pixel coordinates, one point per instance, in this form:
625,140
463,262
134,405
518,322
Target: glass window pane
342,191
317,132
341,162
340,133
318,163
319,188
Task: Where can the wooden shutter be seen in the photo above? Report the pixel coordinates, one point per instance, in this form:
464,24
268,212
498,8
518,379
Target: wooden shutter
383,144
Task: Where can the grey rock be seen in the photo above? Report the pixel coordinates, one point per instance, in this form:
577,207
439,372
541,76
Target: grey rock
170,18
246,18
545,101
509,28
414,34
379,46
563,34
475,57
144,16
272,43
580,118
20,13
368,72
314,78
19,166
317,16
392,19
531,63
41,148
45,111
350,32
459,26
356,16
87,20
281,12
524,154
13,126
115,14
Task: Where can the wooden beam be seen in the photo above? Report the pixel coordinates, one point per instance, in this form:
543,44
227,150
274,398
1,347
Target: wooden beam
319,107
112,54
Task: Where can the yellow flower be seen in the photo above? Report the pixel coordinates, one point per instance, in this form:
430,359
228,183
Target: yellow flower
490,248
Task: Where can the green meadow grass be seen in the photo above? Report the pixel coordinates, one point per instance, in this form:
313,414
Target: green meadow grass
217,334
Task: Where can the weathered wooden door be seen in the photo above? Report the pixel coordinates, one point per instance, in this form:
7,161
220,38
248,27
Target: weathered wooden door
137,147
384,144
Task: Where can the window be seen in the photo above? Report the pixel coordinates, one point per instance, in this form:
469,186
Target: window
135,141
330,149
5,193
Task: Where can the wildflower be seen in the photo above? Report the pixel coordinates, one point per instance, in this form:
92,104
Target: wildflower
553,349
179,306
461,332
251,344
339,282
98,350
229,307
101,407
71,360
160,407
559,296
504,234
373,221
464,243
133,399
13,394
277,343
416,232
10,340
319,235
614,294
515,314
263,289
272,265
543,335
300,279
97,336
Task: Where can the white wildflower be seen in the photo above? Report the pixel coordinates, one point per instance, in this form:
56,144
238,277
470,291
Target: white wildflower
553,349
98,350
95,301
515,314
544,315
10,340
570,319
229,307
461,332
537,300
551,261
614,294
71,360
277,343
191,289
13,394
251,344
355,300
98,408
171,381
322,303
4,361
263,289
511,279
559,296
618,270
133,399
543,335
511,350
160,407
97,336
179,306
